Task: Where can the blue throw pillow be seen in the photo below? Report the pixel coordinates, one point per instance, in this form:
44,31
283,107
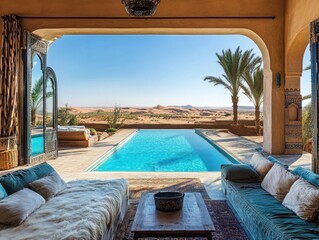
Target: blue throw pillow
42,170
3,193
18,180
308,175
274,160
239,173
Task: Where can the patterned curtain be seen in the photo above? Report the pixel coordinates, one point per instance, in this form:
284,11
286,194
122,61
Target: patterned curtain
9,75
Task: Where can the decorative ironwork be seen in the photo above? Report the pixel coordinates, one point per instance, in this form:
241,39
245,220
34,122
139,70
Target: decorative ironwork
141,8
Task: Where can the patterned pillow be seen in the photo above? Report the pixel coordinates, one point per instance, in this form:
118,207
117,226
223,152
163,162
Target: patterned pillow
48,186
3,193
18,206
278,181
261,164
303,199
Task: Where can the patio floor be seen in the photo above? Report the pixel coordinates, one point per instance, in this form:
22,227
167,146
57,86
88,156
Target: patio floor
72,163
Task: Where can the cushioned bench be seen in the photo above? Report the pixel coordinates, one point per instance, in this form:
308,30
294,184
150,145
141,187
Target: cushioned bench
262,215
85,209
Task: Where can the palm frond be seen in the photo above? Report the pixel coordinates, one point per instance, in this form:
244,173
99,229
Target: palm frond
306,97
218,81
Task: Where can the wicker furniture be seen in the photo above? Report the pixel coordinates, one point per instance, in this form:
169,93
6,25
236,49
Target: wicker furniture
193,220
8,159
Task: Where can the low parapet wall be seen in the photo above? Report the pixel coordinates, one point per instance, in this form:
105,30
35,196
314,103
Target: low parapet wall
240,130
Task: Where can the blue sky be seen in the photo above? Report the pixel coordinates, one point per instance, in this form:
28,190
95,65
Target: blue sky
144,70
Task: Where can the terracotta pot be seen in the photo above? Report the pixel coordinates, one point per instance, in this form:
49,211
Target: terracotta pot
8,143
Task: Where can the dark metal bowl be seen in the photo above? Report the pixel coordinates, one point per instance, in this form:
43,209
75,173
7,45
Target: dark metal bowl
168,201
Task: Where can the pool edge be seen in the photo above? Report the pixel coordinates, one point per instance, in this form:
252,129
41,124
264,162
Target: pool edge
227,154
94,166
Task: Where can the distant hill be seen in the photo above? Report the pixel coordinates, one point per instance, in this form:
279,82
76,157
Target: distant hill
185,106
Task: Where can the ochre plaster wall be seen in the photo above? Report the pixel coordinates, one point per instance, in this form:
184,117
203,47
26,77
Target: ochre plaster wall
298,15
267,33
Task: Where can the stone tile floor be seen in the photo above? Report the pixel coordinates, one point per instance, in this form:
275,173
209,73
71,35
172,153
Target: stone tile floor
72,163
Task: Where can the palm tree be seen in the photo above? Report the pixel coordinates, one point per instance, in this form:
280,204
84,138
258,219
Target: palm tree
37,99
253,89
234,66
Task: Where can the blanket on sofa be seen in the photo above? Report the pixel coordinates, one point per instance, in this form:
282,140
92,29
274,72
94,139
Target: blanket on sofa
84,210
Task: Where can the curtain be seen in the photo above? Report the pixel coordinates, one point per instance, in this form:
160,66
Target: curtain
9,75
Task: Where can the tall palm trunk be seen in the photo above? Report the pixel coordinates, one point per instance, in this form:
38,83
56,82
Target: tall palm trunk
257,120
235,109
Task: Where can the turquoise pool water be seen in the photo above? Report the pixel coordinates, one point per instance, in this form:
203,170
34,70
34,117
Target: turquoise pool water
37,144
164,151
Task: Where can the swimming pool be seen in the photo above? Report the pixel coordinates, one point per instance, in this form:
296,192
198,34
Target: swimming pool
164,151
37,144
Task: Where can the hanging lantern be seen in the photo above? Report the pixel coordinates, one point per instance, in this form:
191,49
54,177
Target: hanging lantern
141,8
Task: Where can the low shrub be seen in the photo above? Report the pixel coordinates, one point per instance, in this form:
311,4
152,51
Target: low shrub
93,131
111,130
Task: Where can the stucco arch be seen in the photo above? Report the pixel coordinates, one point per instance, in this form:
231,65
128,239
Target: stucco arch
294,58
268,110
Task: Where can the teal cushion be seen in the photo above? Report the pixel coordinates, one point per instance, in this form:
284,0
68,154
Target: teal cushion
3,193
270,215
18,180
274,160
239,172
308,175
42,170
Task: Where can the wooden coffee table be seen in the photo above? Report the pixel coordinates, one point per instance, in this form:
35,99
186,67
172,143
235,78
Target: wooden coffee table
193,220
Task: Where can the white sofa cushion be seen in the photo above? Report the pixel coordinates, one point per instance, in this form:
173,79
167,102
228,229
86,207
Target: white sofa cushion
48,186
261,164
84,210
278,181
15,208
303,199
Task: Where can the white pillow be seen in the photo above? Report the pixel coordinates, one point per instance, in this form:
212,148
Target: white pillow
48,186
278,181
303,199
261,164
18,206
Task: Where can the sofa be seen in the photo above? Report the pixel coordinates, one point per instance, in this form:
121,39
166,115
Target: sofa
75,136
263,216
84,209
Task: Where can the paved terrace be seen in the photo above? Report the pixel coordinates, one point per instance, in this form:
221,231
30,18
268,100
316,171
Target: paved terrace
72,163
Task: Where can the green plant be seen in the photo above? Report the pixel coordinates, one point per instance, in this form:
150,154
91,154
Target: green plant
73,121
307,123
65,117
93,131
253,89
234,66
115,119
37,99
111,130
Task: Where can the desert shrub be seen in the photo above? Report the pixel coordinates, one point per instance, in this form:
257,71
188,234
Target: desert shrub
226,114
73,121
111,130
64,115
307,123
93,131
115,119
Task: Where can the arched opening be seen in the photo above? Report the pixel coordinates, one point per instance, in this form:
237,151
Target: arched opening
267,123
